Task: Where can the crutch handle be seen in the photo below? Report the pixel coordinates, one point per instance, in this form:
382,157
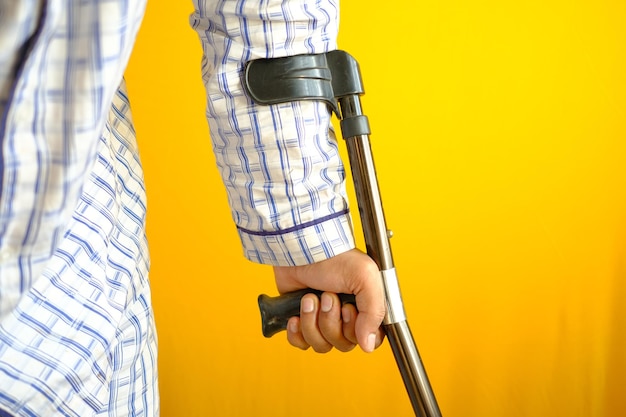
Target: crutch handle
276,311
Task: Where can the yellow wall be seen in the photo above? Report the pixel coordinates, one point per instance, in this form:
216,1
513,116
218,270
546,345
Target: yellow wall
499,134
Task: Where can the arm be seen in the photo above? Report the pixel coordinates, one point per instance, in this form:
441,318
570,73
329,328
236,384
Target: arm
281,167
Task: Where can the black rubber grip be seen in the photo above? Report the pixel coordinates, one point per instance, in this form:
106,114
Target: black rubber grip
276,311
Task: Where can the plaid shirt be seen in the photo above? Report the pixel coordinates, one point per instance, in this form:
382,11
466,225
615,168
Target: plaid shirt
77,334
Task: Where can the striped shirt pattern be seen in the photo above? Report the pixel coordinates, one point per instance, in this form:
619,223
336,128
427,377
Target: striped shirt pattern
77,334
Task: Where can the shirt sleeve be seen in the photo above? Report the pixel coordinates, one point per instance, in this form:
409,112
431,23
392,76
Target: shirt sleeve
280,164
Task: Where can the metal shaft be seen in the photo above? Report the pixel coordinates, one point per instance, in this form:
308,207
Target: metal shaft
378,248
413,372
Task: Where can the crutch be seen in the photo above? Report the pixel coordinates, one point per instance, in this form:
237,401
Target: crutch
335,77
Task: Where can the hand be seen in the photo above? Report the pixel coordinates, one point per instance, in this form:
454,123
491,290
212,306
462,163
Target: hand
324,323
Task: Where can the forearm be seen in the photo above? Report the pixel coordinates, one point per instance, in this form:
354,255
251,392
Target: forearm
280,164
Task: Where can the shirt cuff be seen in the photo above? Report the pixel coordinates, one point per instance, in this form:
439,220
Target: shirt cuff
304,244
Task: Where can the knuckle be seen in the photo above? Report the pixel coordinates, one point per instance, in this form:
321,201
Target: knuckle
363,275
346,348
322,349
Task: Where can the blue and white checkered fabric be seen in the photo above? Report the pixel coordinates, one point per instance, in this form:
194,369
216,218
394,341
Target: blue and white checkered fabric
77,335
280,164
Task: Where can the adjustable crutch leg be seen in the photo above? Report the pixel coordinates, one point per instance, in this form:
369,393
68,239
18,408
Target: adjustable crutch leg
335,78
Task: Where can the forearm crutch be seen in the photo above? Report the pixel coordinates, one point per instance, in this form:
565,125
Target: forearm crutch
334,77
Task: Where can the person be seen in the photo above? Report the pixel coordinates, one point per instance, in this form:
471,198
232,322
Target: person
77,333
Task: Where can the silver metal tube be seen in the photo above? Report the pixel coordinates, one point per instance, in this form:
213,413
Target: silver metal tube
369,201
412,370
379,249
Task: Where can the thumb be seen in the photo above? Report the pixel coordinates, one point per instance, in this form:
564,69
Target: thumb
370,301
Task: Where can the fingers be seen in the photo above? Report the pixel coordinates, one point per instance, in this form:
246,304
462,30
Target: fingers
348,315
331,323
352,272
321,325
294,334
309,310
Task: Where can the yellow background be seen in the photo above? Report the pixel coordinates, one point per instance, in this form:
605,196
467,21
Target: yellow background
498,132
